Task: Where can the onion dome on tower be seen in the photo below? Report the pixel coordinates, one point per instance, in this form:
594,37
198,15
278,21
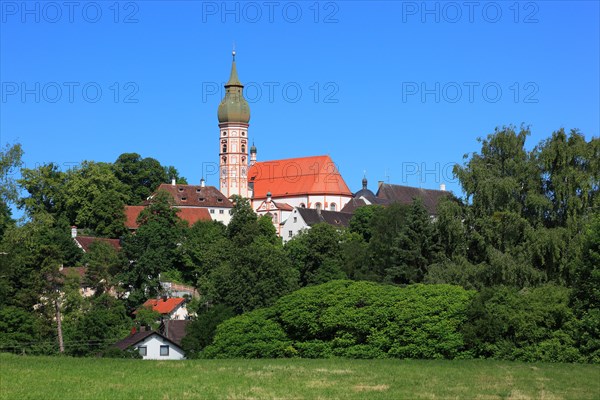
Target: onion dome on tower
234,107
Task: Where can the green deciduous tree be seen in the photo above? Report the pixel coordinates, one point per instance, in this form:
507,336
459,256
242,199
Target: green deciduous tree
103,264
95,199
317,254
10,162
253,276
102,325
200,332
527,325
586,293
153,249
141,175
47,193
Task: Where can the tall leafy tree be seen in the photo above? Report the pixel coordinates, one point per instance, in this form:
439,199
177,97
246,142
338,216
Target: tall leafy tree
570,176
361,221
500,178
254,271
585,297
46,186
153,248
253,276
95,199
204,248
317,254
10,162
413,249
103,264
141,175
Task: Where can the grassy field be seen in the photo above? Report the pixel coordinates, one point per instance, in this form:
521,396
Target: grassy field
69,378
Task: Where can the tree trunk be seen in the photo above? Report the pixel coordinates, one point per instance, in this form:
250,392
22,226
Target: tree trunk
61,345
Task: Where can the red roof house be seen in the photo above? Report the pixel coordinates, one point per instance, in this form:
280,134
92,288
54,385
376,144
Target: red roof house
171,308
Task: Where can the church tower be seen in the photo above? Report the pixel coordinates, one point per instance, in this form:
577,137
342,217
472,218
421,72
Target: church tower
234,116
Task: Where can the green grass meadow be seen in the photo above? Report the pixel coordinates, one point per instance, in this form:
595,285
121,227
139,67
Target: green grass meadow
28,377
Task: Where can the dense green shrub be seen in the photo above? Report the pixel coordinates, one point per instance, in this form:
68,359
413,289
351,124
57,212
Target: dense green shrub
527,325
251,335
351,319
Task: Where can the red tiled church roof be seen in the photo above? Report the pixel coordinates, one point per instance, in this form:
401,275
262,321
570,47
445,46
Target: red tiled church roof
297,176
164,306
191,215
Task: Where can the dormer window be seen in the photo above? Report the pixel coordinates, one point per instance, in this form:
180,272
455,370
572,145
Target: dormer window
198,190
201,199
219,200
180,189
184,199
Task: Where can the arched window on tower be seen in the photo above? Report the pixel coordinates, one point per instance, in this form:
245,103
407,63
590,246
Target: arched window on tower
243,148
332,207
224,148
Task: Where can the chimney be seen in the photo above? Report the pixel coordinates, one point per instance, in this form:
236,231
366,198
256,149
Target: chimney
173,182
73,231
443,187
202,182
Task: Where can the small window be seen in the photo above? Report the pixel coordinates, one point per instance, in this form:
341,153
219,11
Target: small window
290,233
224,149
274,218
332,207
243,133
295,219
224,133
184,199
219,200
221,211
201,199
212,210
143,351
180,189
198,190
318,206
164,350
302,205
243,148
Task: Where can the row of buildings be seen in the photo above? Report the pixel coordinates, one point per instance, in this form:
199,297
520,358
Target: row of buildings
295,193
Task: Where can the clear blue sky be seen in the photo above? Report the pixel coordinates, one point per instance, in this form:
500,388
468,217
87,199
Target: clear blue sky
369,74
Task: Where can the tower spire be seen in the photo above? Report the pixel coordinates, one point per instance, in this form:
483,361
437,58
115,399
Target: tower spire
233,76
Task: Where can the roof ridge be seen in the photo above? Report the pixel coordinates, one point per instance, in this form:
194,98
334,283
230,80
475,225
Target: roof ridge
294,158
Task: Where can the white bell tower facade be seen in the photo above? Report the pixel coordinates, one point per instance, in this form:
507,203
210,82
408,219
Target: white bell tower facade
234,118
